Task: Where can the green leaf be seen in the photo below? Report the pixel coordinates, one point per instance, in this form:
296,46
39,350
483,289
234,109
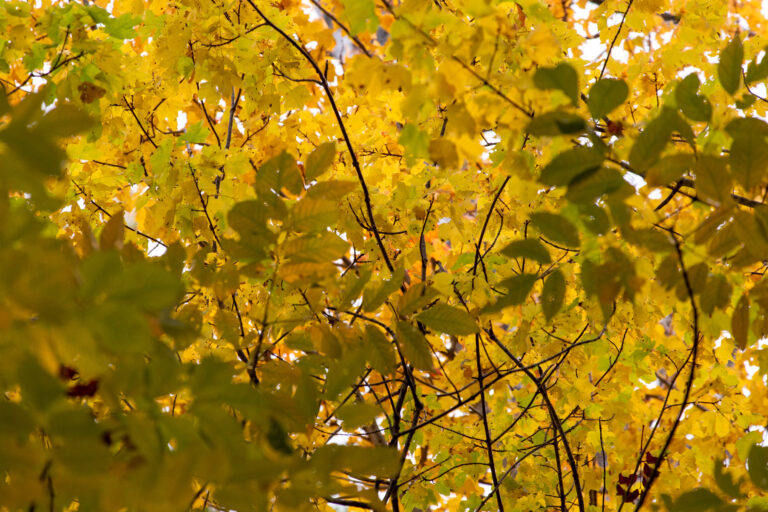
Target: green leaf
740,322
378,460
652,239
361,15
5,107
148,286
725,481
415,142
697,500
712,179
757,463
652,140
729,67
518,287
757,71
669,169
344,371
416,297
555,123
319,160
39,388
356,415
122,26
716,295
529,248
194,134
376,294
249,218
64,121
448,319
314,215
278,438
553,294
594,218
606,95
34,59
379,351
745,101
280,172
561,77
323,247
590,186
749,151
414,346
17,422
331,190
556,228
695,107
570,164
745,442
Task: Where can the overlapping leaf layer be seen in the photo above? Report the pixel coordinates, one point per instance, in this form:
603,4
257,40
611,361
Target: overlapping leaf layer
414,255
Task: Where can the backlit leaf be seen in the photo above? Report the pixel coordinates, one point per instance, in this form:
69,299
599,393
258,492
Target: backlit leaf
529,248
556,228
518,288
319,160
553,294
448,319
757,463
556,123
652,140
414,346
717,294
740,322
729,67
695,107
569,165
749,151
561,77
606,95
379,350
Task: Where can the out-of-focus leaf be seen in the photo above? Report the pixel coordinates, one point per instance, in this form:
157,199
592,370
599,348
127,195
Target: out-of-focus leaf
729,67
319,161
606,95
414,346
695,107
448,319
561,77
570,164
529,248
553,294
556,228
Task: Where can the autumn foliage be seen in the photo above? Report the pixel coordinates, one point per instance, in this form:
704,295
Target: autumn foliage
388,255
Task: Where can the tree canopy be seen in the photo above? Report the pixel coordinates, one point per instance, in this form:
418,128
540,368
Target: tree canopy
388,255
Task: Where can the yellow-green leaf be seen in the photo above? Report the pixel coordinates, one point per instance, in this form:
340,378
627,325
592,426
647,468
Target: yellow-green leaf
561,77
414,346
448,319
740,322
319,161
529,248
569,164
729,67
556,228
606,95
552,294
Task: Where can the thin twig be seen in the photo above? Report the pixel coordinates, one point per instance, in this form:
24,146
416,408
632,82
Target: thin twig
688,384
613,42
486,427
355,163
344,29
